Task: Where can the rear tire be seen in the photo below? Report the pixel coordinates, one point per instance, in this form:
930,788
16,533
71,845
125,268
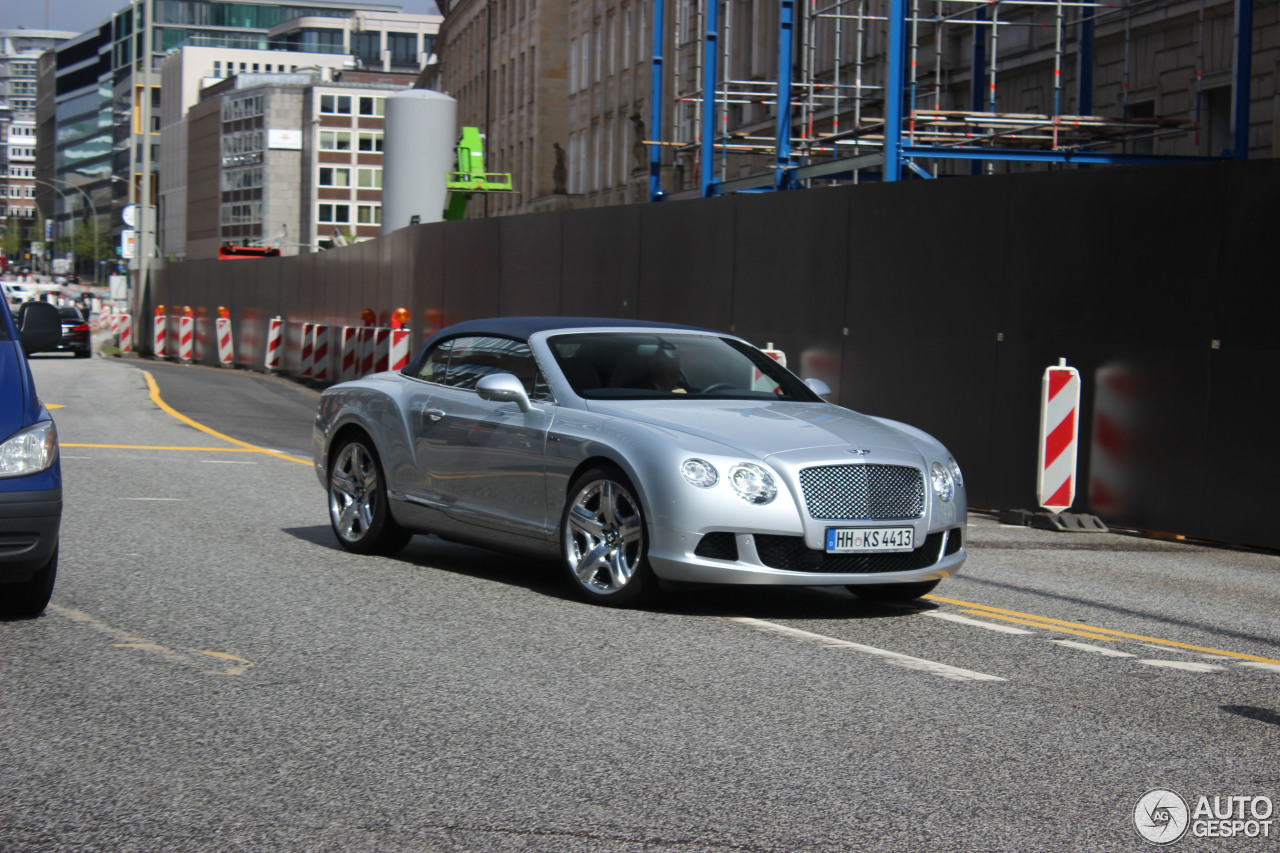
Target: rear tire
604,544
30,597
893,591
358,508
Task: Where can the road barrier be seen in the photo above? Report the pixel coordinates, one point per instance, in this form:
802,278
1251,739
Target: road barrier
1059,431
159,338
304,368
399,356
275,328
320,353
186,338
349,351
226,353
124,327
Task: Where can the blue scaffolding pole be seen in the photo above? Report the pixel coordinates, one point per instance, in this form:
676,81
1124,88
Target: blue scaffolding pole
655,100
786,40
711,40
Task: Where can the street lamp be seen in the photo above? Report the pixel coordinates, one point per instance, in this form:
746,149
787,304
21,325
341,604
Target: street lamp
94,209
65,206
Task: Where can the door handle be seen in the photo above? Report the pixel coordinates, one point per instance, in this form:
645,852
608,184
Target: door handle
434,414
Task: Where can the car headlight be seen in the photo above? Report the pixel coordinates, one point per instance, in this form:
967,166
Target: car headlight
955,471
700,473
944,486
30,451
753,484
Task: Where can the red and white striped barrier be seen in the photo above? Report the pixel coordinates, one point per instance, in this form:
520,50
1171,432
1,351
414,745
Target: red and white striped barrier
275,329
349,352
226,353
186,338
158,343
1059,437
320,354
305,366
367,350
1117,437
124,327
399,355
381,349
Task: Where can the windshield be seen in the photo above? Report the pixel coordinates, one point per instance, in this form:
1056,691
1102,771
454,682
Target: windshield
641,366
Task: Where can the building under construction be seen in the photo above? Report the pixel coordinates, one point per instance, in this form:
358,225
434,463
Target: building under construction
599,102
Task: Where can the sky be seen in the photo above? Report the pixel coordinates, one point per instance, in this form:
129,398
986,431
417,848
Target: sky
79,15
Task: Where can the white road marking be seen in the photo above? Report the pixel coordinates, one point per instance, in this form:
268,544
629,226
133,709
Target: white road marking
1086,647
1185,665
1257,664
154,499
977,623
226,462
895,658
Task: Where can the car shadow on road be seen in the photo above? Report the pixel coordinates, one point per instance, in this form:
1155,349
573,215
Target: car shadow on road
546,577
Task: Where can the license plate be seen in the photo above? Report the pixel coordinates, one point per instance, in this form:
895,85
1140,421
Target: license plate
844,540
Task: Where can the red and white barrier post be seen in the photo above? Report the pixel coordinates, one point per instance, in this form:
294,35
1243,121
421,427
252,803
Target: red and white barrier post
1059,437
320,354
186,337
275,328
226,352
158,345
367,350
382,349
349,349
305,369
125,330
399,349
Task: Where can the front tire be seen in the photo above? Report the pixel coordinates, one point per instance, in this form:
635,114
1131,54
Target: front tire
30,597
890,592
604,543
358,508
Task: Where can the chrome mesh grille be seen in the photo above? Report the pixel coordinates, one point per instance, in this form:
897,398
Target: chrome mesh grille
863,492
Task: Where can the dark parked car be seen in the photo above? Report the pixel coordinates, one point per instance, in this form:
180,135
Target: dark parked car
30,473
75,332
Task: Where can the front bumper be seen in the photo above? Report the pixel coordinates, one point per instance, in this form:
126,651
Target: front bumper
747,558
29,524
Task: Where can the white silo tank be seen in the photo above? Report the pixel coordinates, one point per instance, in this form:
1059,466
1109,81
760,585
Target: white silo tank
418,148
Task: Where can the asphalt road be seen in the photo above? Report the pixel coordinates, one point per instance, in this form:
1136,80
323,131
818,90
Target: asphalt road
215,674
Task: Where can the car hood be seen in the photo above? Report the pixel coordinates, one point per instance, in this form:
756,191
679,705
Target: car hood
14,398
762,430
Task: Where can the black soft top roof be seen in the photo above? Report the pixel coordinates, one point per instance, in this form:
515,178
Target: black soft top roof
520,328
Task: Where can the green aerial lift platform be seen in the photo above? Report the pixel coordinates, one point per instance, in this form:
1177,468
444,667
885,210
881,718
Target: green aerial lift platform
471,178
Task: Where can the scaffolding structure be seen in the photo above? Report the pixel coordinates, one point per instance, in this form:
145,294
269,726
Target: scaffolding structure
867,96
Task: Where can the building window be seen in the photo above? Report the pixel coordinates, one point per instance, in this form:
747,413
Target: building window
335,214
371,141
369,214
370,106
331,176
369,179
335,140
335,105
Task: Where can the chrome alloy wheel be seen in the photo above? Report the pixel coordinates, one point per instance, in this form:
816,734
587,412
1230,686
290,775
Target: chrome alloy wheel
604,536
353,492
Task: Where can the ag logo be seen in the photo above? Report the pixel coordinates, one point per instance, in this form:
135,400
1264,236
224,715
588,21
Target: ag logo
1161,816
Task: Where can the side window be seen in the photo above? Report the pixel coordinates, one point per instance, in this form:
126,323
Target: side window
436,364
462,362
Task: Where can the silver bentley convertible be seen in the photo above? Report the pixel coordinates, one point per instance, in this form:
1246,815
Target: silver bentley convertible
637,453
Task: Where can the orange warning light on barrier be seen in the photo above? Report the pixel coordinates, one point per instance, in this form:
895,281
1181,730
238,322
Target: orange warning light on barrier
368,317
159,310
223,312
187,311
399,317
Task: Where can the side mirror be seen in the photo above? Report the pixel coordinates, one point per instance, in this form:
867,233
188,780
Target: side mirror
818,387
503,388
39,327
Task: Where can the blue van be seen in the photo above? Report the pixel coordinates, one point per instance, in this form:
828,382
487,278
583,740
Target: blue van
30,473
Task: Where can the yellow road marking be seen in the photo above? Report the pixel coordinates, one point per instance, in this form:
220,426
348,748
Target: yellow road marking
55,405
186,657
1037,624
165,407
1045,621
